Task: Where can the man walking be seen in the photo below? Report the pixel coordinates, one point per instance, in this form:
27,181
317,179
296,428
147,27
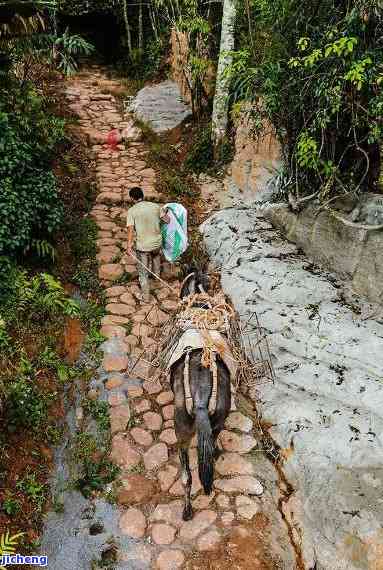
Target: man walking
143,223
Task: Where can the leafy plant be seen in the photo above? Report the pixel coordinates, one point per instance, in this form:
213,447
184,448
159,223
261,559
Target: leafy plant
11,506
33,489
96,475
314,72
66,49
99,412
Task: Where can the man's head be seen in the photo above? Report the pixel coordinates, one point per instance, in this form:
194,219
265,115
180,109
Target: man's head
136,194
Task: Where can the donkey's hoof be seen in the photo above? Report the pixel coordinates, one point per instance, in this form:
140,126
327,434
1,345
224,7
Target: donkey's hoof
188,513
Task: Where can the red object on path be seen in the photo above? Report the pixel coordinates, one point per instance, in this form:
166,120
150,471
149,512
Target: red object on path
113,139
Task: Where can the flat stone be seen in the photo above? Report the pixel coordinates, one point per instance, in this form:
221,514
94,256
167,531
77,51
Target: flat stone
110,271
113,382
167,477
238,443
169,424
141,436
163,533
223,501
201,521
141,330
128,299
227,518
133,523
246,508
115,320
131,340
135,489
123,453
157,317
115,291
119,418
178,489
115,363
142,370
169,437
165,398
153,421
170,305
209,541
110,331
141,406
109,254
120,309
234,464
242,484
168,412
156,456
170,560
152,387
134,391
170,513
238,421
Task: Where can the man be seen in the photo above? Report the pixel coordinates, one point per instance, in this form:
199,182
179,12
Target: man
143,223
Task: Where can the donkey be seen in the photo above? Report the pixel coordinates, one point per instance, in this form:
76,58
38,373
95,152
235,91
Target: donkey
199,421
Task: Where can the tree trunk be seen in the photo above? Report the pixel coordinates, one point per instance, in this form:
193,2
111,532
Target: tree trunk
221,98
140,30
127,26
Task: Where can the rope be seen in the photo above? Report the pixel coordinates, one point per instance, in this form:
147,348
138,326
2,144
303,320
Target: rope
154,274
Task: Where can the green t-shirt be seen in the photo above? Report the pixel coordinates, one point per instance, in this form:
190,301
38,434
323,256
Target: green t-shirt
145,217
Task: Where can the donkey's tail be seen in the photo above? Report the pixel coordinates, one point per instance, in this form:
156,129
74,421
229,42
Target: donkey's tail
205,449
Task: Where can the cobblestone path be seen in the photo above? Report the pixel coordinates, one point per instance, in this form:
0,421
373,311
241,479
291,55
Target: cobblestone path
150,493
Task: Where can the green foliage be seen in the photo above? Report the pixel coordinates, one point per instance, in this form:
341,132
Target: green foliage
26,407
175,185
11,506
200,156
99,412
314,71
96,475
33,489
83,236
66,49
29,204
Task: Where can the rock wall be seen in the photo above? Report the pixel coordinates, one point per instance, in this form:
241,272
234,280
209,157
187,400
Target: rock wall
325,408
354,254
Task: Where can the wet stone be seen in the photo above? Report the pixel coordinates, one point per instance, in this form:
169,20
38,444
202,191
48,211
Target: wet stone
227,518
246,507
170,513
223,501
115,363
110,271
116,398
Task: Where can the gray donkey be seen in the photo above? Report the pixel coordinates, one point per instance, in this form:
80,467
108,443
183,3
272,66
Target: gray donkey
199,421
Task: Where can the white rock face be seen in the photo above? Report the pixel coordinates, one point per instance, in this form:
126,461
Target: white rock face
161,106
327,403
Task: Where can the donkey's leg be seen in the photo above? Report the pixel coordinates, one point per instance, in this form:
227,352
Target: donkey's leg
184,427
186,478
223,403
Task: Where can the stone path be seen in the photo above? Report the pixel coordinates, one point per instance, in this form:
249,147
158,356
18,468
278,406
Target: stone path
150,492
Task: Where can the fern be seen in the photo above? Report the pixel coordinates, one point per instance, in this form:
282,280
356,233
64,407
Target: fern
43,248
8,544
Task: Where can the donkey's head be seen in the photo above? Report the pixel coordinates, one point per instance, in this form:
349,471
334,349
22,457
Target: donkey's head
195,282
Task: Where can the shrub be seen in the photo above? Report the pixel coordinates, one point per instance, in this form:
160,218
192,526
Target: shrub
30,207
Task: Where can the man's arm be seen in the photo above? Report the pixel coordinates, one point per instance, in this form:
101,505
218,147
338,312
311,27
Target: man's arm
130,240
